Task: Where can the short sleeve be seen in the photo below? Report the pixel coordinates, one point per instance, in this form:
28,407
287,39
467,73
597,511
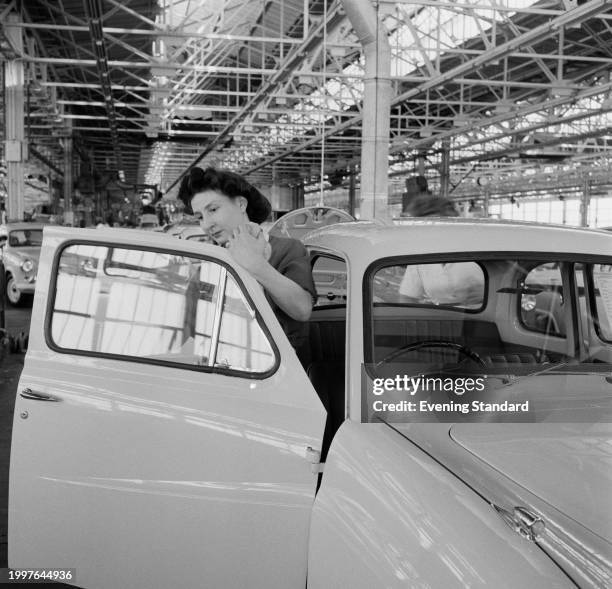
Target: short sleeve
291,259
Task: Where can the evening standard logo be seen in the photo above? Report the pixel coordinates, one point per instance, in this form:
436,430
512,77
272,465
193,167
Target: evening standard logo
400,395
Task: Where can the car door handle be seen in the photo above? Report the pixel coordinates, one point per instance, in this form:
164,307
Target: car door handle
38,396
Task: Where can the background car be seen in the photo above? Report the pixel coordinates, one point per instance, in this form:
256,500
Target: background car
20,254
149,222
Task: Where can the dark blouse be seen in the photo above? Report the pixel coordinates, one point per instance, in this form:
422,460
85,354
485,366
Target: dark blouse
290,258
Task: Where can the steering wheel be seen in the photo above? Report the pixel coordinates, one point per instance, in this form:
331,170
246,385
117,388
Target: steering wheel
432,344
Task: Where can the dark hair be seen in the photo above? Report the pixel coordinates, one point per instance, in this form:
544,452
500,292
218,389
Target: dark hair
228,183
427,205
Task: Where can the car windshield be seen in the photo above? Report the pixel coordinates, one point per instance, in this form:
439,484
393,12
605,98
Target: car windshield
25,237
516,315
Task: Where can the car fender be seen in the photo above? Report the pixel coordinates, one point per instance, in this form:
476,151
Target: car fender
389,515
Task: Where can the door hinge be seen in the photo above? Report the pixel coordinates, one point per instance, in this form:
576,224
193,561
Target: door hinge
314,457
523,521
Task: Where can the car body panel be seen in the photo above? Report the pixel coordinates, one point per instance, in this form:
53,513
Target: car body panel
553,462
367,241
584,555
200,462
430,531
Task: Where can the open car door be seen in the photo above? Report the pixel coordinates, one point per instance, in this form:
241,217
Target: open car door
165,433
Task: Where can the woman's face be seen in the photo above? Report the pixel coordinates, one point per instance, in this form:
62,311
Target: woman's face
219,214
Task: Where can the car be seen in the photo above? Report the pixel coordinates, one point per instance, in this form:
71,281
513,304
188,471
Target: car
149,222
166,433
20,252
190,232
185,228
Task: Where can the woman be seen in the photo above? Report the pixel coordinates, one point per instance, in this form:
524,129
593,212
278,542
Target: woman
230,211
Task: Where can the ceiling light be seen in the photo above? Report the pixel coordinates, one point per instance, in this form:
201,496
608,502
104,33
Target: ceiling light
36,87
562,90
503,107
461,120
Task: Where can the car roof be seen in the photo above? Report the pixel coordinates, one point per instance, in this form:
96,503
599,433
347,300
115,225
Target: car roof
371,240
25,225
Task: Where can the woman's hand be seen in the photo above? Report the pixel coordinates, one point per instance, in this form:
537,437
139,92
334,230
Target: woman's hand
249,247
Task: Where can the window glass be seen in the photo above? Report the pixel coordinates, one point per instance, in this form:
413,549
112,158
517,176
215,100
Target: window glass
329,276
242,344
25,237
602,280
155,306
542,300
454,284
491,313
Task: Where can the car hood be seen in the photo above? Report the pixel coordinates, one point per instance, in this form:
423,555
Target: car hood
567,465
32,252
563,455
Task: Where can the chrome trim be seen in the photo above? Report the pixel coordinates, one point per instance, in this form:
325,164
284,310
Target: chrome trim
214,343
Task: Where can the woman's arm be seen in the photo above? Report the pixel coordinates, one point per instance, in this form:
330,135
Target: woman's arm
288,295
249,252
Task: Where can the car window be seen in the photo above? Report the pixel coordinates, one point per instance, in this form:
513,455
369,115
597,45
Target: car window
156,307
602,281
491,312
329,276
25,237
452,284
541,302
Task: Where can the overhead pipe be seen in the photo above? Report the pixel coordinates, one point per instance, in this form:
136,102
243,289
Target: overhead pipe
376,107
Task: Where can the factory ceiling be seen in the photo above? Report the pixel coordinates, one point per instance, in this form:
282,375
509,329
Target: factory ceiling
274,88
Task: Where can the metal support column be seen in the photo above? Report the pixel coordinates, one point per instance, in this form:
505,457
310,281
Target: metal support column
585,201
15,151
485,202
351,190
445,169
373,36
68,210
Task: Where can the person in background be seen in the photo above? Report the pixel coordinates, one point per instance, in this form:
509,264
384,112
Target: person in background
427,205
450,283
230,211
